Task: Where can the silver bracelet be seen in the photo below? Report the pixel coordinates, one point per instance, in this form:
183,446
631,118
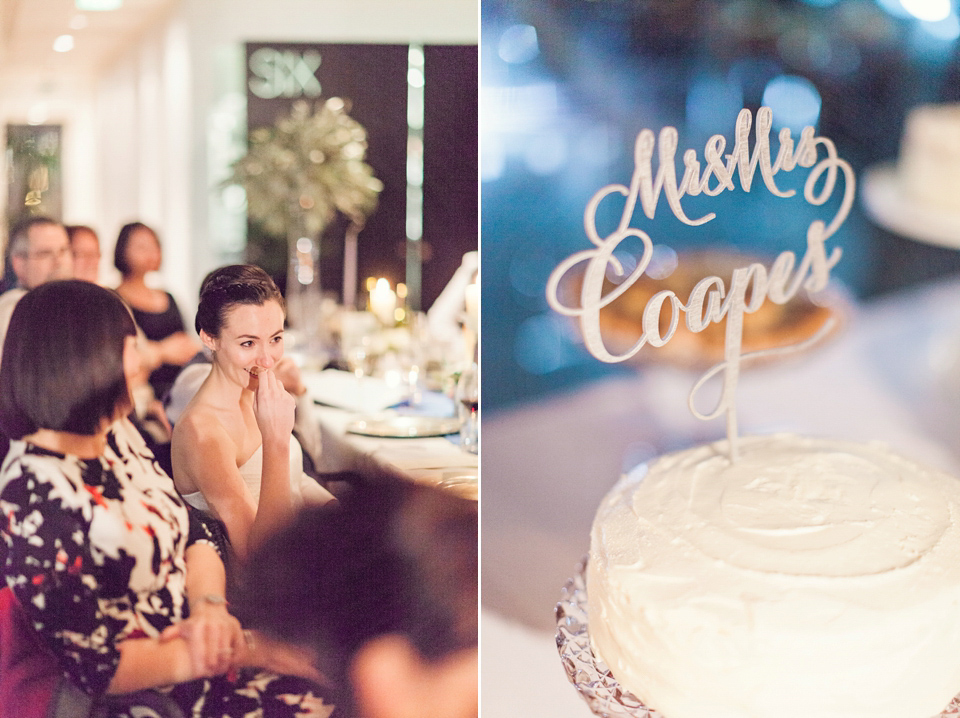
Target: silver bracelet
214,599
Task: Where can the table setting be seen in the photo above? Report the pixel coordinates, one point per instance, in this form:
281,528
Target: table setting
387,399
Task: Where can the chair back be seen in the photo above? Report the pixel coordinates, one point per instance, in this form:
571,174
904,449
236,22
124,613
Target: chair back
29,675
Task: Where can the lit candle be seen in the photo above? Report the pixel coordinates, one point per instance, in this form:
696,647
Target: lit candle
383,301
470,300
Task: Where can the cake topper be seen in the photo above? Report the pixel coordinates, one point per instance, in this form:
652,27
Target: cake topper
711,300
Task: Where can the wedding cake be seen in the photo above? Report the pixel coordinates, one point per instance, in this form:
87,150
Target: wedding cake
809,578
929,161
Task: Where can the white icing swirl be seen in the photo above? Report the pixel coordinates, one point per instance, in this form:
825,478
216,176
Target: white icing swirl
805,512
811,577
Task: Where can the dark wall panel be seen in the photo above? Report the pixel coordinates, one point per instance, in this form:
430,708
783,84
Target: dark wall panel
451,181
373,78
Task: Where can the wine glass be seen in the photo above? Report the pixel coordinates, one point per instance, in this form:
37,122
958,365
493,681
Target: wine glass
358,357
467,399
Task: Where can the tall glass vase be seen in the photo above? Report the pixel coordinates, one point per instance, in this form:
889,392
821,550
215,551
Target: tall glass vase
303,294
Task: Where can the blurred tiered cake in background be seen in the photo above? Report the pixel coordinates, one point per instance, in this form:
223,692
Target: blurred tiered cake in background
929,161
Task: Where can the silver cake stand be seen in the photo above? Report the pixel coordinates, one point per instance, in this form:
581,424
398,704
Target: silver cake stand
590,675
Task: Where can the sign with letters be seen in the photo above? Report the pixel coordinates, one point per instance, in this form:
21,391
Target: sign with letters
276,72
712,300
372,79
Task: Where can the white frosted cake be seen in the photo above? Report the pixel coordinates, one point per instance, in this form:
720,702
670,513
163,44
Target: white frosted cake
811,579
929,161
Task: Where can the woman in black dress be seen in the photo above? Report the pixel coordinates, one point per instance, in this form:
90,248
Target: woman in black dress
136,254
121,583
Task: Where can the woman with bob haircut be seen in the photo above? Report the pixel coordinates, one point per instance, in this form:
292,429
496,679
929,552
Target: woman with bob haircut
233,449
122,584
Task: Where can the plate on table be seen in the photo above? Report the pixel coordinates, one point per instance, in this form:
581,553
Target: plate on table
398,426
591,676
464,485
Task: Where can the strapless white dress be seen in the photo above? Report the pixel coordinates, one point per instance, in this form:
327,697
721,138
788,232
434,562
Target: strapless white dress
251,470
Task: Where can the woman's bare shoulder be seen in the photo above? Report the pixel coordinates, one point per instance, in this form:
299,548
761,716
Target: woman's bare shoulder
198,418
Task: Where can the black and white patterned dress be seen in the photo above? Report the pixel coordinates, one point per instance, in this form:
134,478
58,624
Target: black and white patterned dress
95,553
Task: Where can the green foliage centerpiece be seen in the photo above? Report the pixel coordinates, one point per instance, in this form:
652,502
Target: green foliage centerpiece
298,174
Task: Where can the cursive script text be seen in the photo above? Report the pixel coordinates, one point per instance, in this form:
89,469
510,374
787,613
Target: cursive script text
711,300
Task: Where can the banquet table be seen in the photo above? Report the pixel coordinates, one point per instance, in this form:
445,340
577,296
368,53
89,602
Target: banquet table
891,373
426,459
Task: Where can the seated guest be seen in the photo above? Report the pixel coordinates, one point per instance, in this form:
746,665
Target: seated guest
233,450
85,247
150,417
305,427
121,584
136,254
39,251
385,590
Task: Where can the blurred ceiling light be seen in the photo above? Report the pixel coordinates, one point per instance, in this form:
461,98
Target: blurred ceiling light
64,43
518,44
928,10
98,5
947,30
894,8
794,100
38,113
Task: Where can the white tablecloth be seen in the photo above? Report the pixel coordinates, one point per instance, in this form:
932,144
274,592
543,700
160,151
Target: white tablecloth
430,459
891,374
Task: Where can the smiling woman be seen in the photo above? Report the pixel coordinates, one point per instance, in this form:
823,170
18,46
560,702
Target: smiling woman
117,584
234,454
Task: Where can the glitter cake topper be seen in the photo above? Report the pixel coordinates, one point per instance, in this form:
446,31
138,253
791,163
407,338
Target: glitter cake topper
710,301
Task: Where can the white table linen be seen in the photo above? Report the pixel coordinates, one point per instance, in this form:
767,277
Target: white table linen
429,459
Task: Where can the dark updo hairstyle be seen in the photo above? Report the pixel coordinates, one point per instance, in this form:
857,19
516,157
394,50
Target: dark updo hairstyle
62,366
123,239
225,288
392,557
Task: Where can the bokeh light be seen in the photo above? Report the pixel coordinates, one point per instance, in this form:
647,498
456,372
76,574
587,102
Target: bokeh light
928,10
544,344
794,100
894,8
518,44
712,101
946,30
546,153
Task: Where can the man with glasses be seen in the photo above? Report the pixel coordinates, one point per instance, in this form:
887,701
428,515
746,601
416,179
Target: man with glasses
39,252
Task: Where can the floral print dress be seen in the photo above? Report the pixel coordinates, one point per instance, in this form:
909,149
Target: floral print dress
95,554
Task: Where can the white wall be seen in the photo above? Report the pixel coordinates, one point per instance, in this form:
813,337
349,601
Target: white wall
158,104
69,103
